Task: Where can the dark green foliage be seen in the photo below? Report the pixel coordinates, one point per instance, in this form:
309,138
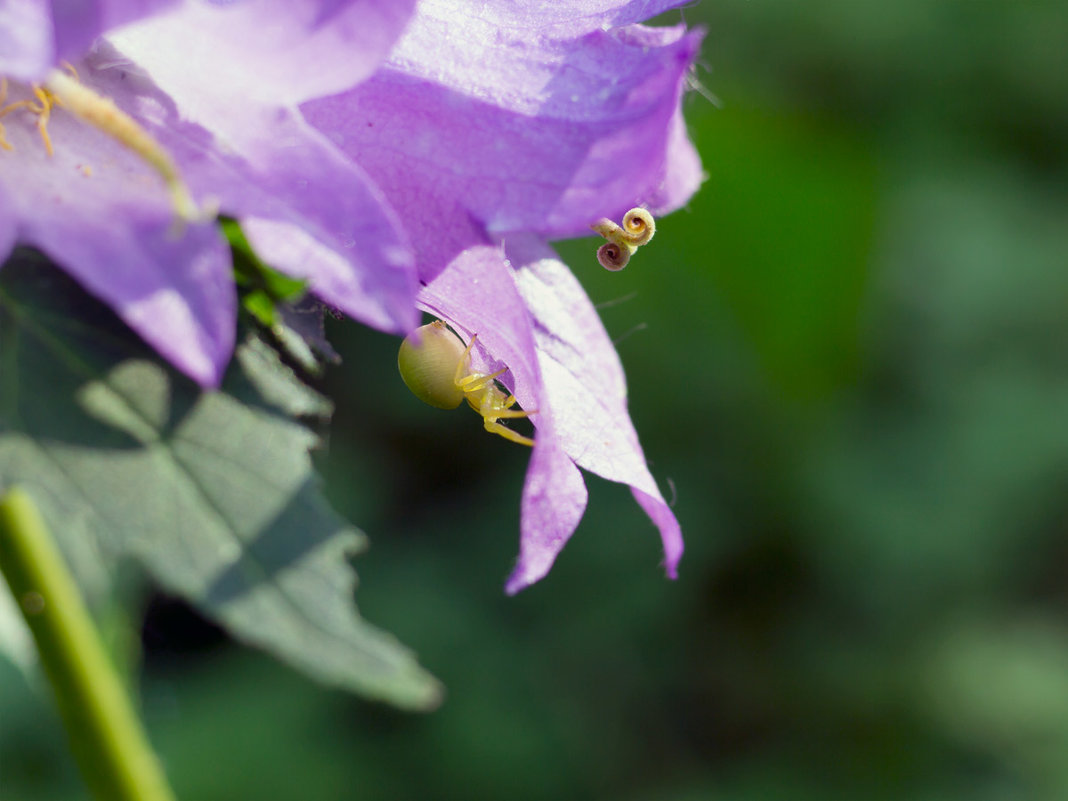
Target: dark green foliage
213,492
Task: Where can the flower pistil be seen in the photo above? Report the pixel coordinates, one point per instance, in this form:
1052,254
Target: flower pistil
637,229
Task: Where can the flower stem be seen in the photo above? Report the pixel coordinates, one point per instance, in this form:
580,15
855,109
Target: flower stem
107,739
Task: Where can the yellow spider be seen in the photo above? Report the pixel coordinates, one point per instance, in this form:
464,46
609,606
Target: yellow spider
436,367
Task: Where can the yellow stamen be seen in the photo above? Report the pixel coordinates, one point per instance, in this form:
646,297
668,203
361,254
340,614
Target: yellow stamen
3,96
5,110
43,110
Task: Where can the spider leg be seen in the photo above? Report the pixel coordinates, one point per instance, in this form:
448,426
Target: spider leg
461,365
477,381
496,428
505,414
474,381
483,395
493,407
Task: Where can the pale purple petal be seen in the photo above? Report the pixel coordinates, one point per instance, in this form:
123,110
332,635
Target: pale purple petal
177,293
472,126
575,17
683,175
105,216
665,521
8,231
476,295
35,36
27,44
77,24
307,209
314,214
263,52
554,500
532,316
583,381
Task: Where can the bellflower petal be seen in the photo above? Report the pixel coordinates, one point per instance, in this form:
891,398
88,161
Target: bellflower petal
287,52
177,294
503,126
308,209
554,500
476,294
575,17
583,380
311,211
232,128
27,44
102,213
483,127
36,36
533,317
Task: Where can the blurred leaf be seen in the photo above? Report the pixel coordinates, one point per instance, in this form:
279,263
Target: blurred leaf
953,453
790,204
212,491
16,642
1001,687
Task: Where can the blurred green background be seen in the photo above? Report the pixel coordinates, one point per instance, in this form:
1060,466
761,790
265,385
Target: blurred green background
848,361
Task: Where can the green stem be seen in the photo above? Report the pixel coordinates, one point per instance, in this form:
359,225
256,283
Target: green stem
107,739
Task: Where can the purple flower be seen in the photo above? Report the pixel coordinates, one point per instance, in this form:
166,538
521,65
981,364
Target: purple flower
525,118
532,316
214,89
369,147
492,133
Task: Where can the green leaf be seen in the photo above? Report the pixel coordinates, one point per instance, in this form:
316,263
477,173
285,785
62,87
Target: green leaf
280,304
260,305
251,271
212,491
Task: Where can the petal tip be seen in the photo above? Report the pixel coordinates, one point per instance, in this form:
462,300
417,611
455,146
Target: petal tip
208,373
519,580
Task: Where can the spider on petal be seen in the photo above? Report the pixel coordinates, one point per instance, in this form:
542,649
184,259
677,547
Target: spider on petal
435,366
